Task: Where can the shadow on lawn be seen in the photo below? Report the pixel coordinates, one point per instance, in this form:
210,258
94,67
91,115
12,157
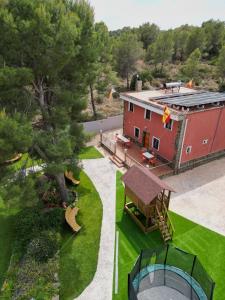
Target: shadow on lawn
69,265
6,245
137,238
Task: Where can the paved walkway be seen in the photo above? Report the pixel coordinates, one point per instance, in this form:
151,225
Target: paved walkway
103,174
200,195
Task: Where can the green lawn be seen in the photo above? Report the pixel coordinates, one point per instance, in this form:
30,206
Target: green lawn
79,254
7,216
90,153
208,245
6,238
25,161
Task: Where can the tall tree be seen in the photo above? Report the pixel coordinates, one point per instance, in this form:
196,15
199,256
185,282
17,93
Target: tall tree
214,36
127,52
221,68
162,49
191,67
196,40
148,34
100,75
180,37
46,59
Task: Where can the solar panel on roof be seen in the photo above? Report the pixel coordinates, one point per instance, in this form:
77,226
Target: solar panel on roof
190,100
175,95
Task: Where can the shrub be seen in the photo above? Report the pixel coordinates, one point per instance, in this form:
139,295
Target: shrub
100,99
157,73
43,247
222,86
116,95
53,219
26,225
31,221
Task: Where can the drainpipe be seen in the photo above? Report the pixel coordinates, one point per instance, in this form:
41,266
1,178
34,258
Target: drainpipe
182,146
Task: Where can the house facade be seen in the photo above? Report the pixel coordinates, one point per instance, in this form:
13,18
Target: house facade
195,133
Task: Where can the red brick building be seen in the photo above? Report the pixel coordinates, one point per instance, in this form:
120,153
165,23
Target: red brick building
195,134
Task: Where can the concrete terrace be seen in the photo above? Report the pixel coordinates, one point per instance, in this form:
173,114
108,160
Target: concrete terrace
200,195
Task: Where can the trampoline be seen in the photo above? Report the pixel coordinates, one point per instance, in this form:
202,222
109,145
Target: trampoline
169,273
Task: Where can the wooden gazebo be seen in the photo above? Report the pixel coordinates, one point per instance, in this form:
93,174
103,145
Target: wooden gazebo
149,199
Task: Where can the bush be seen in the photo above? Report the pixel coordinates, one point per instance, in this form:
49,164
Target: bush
26,225
31,221
43,247
222,86
116,95
100,99
53,219
157,73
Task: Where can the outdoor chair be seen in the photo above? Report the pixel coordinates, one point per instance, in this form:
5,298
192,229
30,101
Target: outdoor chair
153,161
128,145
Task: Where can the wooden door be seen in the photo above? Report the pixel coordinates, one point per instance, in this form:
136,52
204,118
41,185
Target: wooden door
146,139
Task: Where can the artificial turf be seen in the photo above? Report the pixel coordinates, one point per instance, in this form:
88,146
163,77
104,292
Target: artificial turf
79,253
206,244
90,153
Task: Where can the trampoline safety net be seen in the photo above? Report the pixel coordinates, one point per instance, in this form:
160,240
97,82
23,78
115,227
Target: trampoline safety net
170,269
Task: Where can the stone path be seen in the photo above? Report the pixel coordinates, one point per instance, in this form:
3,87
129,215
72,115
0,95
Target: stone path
103,175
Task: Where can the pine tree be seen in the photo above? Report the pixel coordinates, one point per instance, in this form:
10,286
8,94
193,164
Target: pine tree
191,67
127,51
45,51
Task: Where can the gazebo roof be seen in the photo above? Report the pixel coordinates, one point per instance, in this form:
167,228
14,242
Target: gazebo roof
144,184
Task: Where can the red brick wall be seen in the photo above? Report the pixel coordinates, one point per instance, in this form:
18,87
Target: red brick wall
154,127
204,125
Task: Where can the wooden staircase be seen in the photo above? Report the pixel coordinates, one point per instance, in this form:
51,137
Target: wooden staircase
117,161
164,223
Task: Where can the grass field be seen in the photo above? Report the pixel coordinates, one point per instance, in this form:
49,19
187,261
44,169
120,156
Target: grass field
206,244
25,161
90,153
79,254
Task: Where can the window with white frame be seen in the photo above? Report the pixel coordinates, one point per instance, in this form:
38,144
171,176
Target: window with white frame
169,125
155,143
130,106
204,142
147,114
136,132
188,149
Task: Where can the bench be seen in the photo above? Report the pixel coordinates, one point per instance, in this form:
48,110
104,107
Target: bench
69,176
70,216
14,159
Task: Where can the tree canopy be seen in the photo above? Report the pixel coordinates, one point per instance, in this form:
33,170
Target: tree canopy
46,50
162,49
127,52
191,67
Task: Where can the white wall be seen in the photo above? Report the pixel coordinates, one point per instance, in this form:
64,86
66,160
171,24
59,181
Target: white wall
104,125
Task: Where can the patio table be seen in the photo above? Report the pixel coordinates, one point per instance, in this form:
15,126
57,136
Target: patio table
148,155
123,138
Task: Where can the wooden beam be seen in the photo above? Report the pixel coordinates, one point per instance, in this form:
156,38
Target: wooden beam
125,199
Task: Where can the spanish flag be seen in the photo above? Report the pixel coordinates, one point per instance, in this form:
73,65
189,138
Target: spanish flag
166,115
